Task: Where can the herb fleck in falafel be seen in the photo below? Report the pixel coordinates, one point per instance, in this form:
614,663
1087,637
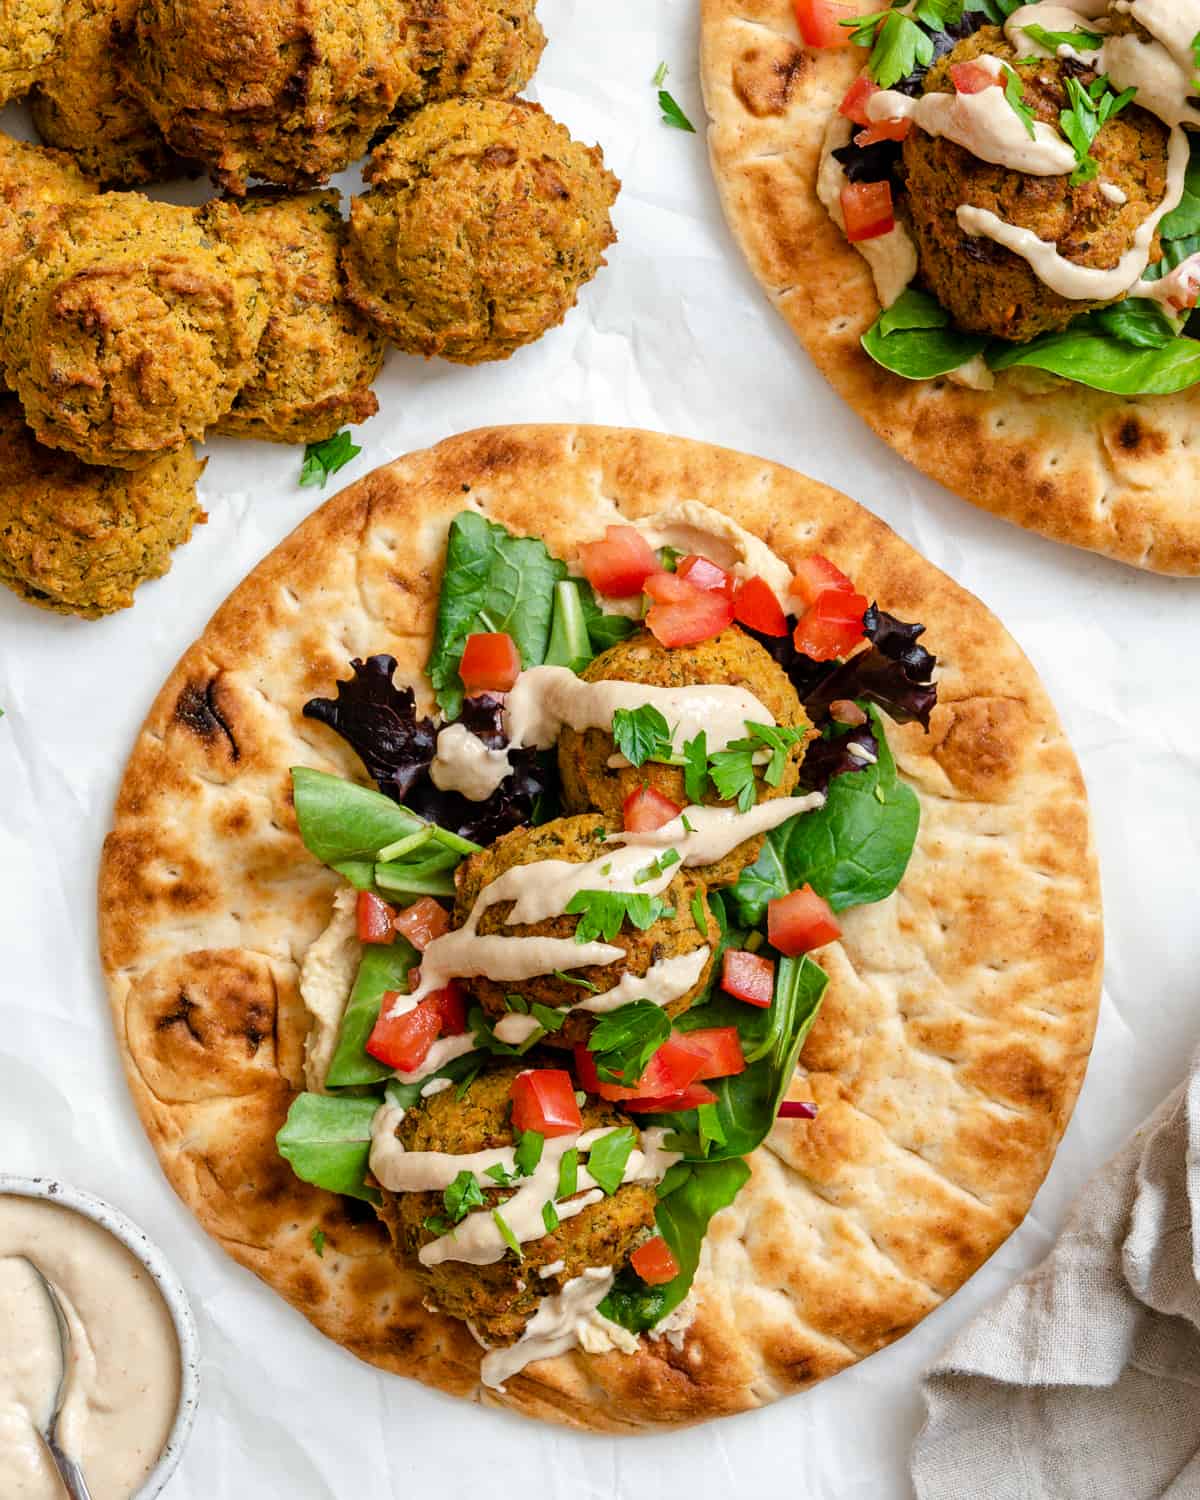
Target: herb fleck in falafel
483,221
79,540
83,103
498,1300
986,288
318,356
576,841
126,330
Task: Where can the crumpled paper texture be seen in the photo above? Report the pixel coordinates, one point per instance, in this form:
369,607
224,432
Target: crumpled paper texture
674,335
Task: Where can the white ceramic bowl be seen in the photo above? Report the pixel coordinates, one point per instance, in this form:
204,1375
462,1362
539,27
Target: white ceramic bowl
173,1295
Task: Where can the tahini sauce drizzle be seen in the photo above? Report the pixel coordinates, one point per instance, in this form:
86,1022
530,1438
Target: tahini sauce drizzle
561,1322
124,1379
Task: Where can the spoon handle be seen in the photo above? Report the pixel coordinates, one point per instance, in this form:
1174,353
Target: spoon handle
68,1470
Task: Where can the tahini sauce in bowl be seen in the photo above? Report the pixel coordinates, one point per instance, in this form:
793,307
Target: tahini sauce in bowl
124,1409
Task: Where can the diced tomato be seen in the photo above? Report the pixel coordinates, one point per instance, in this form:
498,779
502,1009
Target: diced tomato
452,1007
618,566
755,606
801,922
490,664
818,21
544,1100
645,810
883,130
868,210
703,573
972,78
815,575
669,1072
858,96
748,976
669,588
719,1049
832,626
375,919
692,619
403,1042
654,1262
691,1098
421,922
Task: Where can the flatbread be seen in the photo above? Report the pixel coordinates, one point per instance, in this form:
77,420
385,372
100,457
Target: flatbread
946,1059
1115,474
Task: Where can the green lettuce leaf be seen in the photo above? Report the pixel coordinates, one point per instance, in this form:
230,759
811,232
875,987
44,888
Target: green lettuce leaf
344,825
326,1139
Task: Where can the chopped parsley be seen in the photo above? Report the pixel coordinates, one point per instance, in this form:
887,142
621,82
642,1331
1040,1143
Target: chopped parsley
624,1041
548,1019
517,1003
602,914
549,1216
506,1233
1091,109
1079,39
529,1152
695,768
318,1242
580,984
608,1157
1014,92
700,911
642,734
898,45
460,1093
500,1173
671,112
568,1173
733,769
657,867
323,459
463,1194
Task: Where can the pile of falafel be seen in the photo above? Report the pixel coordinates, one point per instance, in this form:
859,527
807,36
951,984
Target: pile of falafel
130,328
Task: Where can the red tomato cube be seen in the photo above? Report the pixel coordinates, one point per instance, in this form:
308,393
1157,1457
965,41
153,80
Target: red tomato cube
686,622
972,78
423,921
815,576
868,210
818,21
756,607
801,922
858,96
748,976
668,1073
654,1262
645,810
702,573
543,1099
719,1050
618,566
691,1098
884,130
452,1008
375,919
831,627
490,664
403,1042
669,588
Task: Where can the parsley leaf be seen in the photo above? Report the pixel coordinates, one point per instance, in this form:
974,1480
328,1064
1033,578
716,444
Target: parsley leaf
625,1040
660,75
549,1216
323,459
695,768
700,911
603,913
547,1019
732,772
568,1173
529,1152
641,734
580,984
318,1242
1079,39
463,1194
657,867
1091,109
898,45
672,114
506,1234
608,1157
1014,92
500,1173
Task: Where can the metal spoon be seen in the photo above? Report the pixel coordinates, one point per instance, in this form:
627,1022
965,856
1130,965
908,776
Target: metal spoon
68,1470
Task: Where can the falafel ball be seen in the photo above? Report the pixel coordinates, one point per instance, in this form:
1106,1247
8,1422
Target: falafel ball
486,49
126,330
986,288
576,841
499,1299
483,221
30,30
34,183
278,89
83,102
733,658
79,540
318,356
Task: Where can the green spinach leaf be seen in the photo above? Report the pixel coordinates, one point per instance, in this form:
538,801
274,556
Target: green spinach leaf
383,968
326,1139
493,581
913,338
1087,354
344,825
604,630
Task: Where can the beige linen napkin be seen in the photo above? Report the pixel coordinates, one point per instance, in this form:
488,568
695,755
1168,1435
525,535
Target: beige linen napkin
1083,1381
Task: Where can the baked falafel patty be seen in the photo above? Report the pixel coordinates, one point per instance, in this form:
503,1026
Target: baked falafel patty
499,1299
318,356
986,288
483,220
576,841
126,330
83,103
732,659
483,49
78,539
34,182
30,30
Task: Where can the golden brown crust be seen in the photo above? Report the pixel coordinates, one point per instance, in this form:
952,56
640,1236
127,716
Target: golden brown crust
946,1059
1117,475
30,30
33,183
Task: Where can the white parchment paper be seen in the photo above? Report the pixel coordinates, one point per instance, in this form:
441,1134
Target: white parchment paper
675,336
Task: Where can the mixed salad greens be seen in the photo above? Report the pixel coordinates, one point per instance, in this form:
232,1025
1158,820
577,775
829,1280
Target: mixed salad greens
403,842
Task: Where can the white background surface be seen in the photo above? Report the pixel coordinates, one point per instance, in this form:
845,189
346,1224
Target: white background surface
673,336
